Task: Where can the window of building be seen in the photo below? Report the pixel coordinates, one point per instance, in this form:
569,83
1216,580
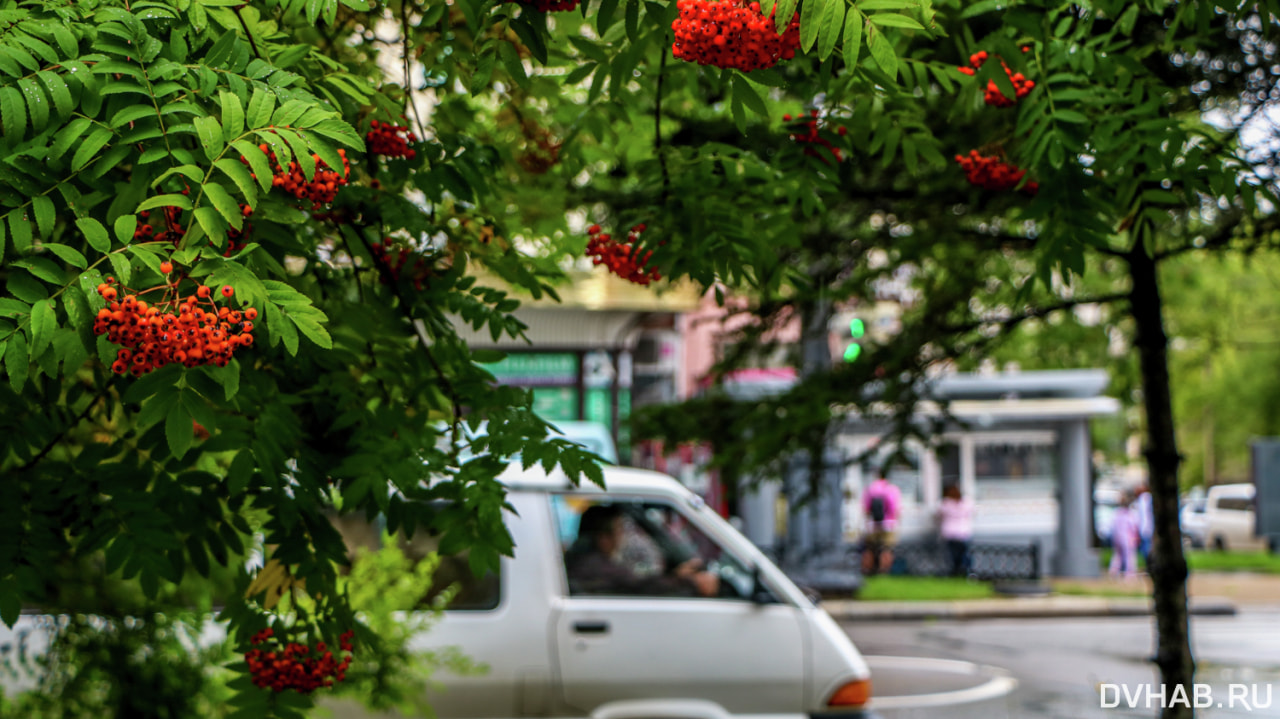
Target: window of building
627,548
1015,469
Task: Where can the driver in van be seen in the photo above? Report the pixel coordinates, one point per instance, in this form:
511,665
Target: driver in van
593,567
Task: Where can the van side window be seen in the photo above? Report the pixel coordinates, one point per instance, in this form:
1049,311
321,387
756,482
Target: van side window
472,593
628,548
1235,504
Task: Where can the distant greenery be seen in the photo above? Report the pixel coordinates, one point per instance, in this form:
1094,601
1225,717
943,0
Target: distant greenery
1234,562
1075,589
913,589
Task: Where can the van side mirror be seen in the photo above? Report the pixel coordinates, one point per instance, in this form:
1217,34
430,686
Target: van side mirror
760,594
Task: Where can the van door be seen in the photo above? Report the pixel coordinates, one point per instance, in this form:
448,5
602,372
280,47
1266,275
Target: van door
642,633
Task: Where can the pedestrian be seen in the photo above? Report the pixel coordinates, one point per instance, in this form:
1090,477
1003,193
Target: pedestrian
1124,539
955,526
880,507
1146,524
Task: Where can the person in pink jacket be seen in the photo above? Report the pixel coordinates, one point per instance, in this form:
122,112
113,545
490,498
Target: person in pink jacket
955,526
880,507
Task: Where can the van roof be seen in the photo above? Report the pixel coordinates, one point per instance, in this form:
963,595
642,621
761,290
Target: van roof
1241,488
616,479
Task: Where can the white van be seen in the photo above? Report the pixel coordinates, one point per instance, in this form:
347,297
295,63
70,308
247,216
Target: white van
1230,516
757,646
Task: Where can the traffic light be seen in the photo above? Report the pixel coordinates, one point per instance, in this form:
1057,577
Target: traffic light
854,349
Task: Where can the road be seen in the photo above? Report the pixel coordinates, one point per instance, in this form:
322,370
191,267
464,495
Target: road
1066,668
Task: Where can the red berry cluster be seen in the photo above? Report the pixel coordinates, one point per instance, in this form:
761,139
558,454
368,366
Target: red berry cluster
296,666
173,330
731,34
805,131
320,191
390,140
621,257
551,5
992,173
382,254
1021,85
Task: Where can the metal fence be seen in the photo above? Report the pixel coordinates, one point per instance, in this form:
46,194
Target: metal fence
986,561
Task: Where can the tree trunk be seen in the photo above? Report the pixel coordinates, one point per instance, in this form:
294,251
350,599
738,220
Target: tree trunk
1168,568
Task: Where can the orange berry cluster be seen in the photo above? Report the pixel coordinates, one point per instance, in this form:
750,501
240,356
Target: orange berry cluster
621,257
992,173
172,330
806,132
320,191
296,666
731,34
551,5
382,255
390,140
992,96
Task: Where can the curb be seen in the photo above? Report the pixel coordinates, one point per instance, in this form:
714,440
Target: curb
1013,608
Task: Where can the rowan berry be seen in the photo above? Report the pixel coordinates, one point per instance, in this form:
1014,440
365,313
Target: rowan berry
992,173
806,131
622,258
166,267
992,94
294,665
732,34
390,140
227,291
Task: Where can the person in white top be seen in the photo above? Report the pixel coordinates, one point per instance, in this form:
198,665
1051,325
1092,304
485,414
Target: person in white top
955,526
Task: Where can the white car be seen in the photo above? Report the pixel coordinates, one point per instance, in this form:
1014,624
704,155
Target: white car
1192,520
556,648
1230,516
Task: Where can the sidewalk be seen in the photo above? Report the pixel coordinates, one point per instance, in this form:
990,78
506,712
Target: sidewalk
1209,594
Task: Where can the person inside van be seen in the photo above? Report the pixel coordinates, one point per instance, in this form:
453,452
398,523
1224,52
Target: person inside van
593,567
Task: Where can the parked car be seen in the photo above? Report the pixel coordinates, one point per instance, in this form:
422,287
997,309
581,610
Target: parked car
1192,520
1230,516
554,647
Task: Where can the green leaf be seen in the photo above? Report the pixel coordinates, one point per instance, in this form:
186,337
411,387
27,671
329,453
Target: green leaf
69,255
67,136
232,116
894,20
42,208
16,361
257,161
832,22
20,230
122,267
224,204
58,92
13,114
261,105
131,113
746,93
882,52
210,134
313,330
125,227
281,329
811,14
43,323
94,142
785,9
170,200
1070,116
37,105
238,173
852,38
179,430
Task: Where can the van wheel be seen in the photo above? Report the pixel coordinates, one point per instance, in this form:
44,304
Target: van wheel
1219,545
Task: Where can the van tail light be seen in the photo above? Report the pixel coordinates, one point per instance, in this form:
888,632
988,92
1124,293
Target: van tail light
853,694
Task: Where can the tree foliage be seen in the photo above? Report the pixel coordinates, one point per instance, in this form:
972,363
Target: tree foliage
529,126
